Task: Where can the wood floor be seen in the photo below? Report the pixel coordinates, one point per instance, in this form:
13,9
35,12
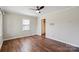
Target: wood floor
36,44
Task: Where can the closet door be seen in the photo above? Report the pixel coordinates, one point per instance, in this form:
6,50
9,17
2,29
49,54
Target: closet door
1,40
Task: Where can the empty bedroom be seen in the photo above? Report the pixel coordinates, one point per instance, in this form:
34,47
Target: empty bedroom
39,29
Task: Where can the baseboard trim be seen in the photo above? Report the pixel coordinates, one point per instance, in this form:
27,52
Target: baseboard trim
1,42
16,37
1,46
64,42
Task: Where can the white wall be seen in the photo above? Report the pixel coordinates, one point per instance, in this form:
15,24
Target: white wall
1,40
12,25
63,26
39,26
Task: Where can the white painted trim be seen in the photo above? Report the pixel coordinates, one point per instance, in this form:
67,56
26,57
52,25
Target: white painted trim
17,37
1,42
1,45
63,41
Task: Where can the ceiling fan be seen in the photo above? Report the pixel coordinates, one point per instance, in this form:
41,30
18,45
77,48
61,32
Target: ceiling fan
38,8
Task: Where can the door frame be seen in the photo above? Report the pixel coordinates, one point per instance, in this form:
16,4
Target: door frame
43,27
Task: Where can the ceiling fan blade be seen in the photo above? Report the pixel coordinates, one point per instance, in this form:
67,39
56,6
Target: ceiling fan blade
41,7
32,9
38,8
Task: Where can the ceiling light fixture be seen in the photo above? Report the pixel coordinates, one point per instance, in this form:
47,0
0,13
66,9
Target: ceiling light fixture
37,11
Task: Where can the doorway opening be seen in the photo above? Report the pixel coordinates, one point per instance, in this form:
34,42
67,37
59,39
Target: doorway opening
43,27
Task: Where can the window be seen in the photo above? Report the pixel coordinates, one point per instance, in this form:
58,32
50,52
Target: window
26,24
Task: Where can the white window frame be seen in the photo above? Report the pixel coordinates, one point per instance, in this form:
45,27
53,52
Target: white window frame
25,24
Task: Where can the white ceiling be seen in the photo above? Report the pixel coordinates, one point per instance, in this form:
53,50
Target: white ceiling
26,10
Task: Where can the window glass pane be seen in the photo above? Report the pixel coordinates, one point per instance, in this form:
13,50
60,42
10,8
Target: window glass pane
26,22
26,28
